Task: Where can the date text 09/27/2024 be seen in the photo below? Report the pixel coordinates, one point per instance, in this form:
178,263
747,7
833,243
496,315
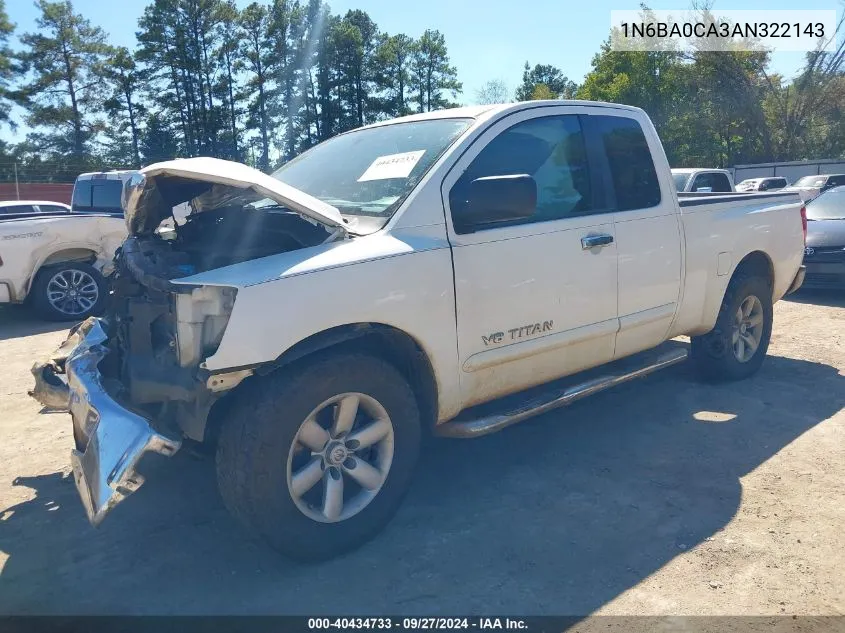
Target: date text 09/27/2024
417,623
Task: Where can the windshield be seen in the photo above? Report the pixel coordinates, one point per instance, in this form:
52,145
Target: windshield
680,181
828,206
370,172
810,181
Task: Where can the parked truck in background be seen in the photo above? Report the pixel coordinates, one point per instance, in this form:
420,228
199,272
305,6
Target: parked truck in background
57,260
703,180
452,272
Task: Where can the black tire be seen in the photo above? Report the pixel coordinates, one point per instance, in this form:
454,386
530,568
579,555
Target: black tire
713,353
46,310
260,428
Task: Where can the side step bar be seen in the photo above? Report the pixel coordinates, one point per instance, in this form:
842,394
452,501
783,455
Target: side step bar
560,398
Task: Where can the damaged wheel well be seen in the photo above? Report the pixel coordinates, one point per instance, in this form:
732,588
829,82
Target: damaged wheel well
70,255
384,341
80,254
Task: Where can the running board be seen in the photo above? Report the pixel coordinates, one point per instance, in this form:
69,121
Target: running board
554,399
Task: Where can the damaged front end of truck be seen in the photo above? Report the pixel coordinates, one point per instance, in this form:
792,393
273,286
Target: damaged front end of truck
134,381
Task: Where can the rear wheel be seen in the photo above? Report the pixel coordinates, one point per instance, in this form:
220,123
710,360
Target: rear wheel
735,348
71,291
318,460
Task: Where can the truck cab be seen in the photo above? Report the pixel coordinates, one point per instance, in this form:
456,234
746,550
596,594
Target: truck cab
99,192
452,272
703,180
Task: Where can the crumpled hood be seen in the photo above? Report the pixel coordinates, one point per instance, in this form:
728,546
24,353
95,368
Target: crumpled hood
209,183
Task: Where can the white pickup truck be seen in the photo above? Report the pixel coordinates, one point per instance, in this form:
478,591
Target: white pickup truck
57,259
455,271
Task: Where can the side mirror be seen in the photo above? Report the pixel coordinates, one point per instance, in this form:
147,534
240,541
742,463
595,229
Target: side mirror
495,199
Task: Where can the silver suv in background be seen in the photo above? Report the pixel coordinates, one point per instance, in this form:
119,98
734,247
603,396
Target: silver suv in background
810,187
762,184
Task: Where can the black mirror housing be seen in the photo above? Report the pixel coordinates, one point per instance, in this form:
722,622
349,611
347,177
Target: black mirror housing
496,199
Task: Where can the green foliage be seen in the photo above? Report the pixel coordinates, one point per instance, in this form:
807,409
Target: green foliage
555,85
158,140
6,67
264,82
723,108
431,73
123,109
64,60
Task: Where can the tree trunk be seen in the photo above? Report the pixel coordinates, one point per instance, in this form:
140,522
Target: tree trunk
78,147
127,91
262,109
231,100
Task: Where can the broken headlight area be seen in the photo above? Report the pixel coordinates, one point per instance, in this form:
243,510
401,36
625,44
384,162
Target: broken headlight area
162,326
160,332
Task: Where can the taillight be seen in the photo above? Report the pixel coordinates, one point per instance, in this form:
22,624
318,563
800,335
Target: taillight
804,221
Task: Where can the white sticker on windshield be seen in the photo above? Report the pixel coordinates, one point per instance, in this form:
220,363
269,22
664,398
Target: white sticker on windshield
392,166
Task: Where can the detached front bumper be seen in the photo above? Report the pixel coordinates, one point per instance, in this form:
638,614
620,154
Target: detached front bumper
110,439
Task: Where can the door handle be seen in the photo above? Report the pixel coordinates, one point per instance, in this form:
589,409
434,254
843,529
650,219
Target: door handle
591,241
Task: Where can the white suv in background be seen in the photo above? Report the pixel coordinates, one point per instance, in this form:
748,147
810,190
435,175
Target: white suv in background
762,184
25,208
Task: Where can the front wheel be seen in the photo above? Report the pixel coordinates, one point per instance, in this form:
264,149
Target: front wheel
318,460
735,348
71,291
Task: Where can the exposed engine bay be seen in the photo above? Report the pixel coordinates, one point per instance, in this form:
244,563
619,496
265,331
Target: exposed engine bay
160,332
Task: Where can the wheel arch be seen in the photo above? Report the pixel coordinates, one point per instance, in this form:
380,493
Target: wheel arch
756,263
84,254
387,342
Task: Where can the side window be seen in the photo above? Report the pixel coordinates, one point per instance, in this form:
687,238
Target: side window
721,182
703,181
19,208
552,151
51,208
835,181
82,194
629,158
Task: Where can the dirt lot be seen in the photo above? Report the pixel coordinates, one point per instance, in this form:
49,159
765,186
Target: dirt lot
662,497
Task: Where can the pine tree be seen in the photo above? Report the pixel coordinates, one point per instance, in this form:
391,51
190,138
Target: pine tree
256,61
6,68
545,81
65,61
122,105
432,74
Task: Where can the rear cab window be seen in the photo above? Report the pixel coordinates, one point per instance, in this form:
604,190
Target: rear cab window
632,171
97,196
712,181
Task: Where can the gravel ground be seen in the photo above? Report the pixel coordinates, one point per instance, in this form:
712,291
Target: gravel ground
661,497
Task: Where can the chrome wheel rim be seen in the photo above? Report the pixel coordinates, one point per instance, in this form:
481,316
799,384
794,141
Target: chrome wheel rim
747,329
346,446
72,292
